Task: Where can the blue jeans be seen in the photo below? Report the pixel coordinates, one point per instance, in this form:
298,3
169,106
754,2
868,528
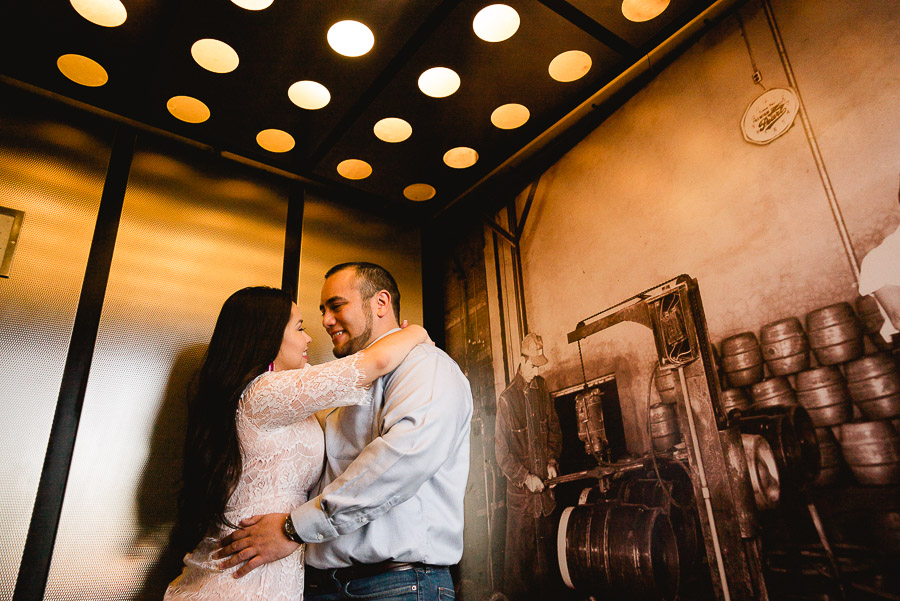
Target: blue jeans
414,584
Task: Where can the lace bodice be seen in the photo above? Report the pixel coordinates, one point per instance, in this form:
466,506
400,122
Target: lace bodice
282,449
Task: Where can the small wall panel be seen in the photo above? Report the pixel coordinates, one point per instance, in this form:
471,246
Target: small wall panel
52,167
193,231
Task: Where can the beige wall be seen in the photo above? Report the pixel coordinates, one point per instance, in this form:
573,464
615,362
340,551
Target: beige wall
667,185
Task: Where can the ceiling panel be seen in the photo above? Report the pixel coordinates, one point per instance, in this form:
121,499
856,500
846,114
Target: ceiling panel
148,60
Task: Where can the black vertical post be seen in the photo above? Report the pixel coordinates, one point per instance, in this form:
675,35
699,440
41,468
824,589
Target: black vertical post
293,233
517,265
500,304
35,567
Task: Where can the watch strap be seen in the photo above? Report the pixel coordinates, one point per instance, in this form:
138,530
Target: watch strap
290,532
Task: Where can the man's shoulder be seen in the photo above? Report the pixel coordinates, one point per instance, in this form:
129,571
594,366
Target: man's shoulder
421,355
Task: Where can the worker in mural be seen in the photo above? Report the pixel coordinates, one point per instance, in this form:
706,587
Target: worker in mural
527,445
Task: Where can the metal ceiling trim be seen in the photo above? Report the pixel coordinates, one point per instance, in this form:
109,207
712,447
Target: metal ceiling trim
644,65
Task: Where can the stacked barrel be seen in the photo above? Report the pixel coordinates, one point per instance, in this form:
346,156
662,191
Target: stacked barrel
851,398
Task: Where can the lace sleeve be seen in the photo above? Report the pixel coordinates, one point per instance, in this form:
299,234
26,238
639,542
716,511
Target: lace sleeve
284,397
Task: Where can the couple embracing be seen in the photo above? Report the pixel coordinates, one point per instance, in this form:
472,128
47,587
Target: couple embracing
383,519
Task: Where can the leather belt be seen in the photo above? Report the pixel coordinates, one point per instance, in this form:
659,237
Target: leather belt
317,576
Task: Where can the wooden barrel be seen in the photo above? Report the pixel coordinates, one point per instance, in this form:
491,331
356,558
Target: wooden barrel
835,335
829,458
874,386
774,392
872,451
784,346
734,399
871,320
615,550
823,394
742,359
792,437
665,385
664,432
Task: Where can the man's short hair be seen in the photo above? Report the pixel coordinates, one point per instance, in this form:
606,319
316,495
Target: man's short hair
370,280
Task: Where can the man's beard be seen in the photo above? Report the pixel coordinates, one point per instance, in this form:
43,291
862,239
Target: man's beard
357,343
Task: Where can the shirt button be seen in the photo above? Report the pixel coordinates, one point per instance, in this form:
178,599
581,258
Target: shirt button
320,536
365,520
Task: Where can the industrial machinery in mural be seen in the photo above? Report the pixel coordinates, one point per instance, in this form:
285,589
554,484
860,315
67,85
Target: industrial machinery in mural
682,520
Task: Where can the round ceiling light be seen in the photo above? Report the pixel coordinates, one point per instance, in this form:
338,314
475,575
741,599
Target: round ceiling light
439,82
275,140
419,192
643,10
570,66
354,169
496,23
253,4
350,38
215,56
188,109
309,95
392,129
510,116
82,70
460,157
107,13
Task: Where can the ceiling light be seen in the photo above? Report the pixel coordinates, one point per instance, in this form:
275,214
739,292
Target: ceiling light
309,95
188,109
460,157
496,23
439,82
392,129
510,116
643,10
215,56
354,169
275,140
107,13
350,38
419,192
253,4
82,70
570,66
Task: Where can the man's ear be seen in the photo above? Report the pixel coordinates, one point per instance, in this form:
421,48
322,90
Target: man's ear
382,300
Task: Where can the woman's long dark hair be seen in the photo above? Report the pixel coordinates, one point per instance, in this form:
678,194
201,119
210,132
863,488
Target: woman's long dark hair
246,339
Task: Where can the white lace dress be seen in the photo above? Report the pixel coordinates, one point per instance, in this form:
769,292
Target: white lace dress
282,449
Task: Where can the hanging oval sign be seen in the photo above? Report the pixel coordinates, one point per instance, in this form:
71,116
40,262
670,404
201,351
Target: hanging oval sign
770,115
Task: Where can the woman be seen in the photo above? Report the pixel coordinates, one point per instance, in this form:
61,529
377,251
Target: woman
253,443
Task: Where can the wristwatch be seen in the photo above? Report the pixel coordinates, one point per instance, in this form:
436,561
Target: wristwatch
290,532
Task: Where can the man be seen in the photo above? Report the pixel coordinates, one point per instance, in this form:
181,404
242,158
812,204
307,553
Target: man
527,442
387,515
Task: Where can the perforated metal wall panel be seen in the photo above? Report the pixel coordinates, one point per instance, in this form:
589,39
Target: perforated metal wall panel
52,167
332,235
194,229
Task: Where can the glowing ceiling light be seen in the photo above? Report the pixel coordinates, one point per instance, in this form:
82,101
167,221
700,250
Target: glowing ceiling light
354,169
439,82
419,192
82,70
392,129
275,140
350,38
188,109
253,4
569,66
510,116
496,23
215,56
460,157
643,10
309,95
107,13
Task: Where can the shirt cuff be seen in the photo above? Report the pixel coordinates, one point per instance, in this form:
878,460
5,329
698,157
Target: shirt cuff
312,524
